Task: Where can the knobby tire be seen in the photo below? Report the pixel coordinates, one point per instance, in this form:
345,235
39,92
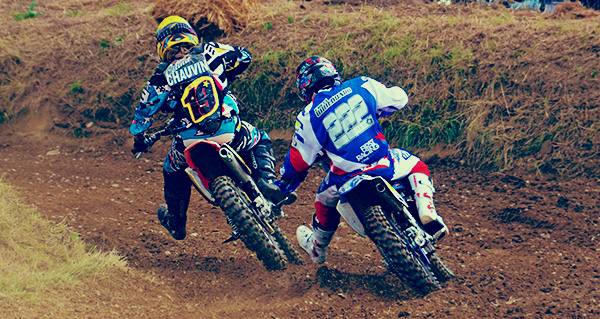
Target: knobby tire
235,206
405,265
439,268
286,245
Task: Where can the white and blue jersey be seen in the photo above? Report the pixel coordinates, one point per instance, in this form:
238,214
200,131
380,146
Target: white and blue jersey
342,123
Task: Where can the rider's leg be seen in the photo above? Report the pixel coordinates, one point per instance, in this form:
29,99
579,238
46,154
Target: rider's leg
177,192
265,168
256,147
420,182
316,240
324,224
255,144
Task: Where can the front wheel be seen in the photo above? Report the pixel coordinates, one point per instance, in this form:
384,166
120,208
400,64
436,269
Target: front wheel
239,213
400,260
286,245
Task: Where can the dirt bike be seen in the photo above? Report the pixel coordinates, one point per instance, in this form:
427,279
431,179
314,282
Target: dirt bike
221,176
388,216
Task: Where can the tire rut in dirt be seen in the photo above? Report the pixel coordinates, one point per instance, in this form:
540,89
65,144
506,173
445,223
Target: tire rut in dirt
234,205
405,266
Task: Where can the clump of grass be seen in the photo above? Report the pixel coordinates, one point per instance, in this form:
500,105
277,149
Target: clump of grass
73,13
76,88
36,255
30,14
4,116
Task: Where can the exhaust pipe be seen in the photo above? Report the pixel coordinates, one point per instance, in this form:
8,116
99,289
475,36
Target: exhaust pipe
380,187
242,173
229,159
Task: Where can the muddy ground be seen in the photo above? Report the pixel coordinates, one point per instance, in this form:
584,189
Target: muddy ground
522,246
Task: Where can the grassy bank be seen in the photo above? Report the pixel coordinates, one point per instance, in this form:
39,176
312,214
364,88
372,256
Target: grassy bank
495,88
37,257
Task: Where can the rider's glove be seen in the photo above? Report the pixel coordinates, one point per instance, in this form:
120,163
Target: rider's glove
139,144
287,186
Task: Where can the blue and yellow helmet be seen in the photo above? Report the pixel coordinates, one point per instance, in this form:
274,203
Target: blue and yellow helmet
171,31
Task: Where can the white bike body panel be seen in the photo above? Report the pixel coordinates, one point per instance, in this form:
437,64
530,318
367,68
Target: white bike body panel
350,217
346,209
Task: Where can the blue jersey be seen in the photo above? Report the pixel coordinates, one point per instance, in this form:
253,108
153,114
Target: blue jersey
342,123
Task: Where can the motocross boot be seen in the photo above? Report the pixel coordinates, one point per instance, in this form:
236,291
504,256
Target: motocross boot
314,242
172,215
432,222
264,167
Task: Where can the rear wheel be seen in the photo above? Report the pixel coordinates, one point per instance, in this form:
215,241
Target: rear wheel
400,260
439,268
236,207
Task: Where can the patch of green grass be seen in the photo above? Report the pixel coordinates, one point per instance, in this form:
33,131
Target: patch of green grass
76,88
73,13
337,22
119,40
502,18
106,44
30,14
37,254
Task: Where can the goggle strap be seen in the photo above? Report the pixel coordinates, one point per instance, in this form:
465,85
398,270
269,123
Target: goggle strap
177,28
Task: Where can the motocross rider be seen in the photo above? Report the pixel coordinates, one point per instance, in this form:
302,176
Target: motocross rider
198,74
340,121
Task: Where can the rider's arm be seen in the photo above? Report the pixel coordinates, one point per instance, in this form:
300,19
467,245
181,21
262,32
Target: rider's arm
303,152
155,96
234,59
388,100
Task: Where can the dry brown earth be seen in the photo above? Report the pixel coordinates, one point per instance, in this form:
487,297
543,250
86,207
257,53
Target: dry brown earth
522,246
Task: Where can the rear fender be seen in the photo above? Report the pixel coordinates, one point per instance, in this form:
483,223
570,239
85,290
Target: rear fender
203,157
199,183
345,206
351,217
364,191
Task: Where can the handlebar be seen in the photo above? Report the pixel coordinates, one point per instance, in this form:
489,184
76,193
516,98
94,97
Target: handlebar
150,139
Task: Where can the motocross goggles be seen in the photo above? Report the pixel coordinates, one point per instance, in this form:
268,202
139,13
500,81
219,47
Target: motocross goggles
171,52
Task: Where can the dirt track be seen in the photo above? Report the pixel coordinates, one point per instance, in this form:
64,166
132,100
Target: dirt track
522,246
